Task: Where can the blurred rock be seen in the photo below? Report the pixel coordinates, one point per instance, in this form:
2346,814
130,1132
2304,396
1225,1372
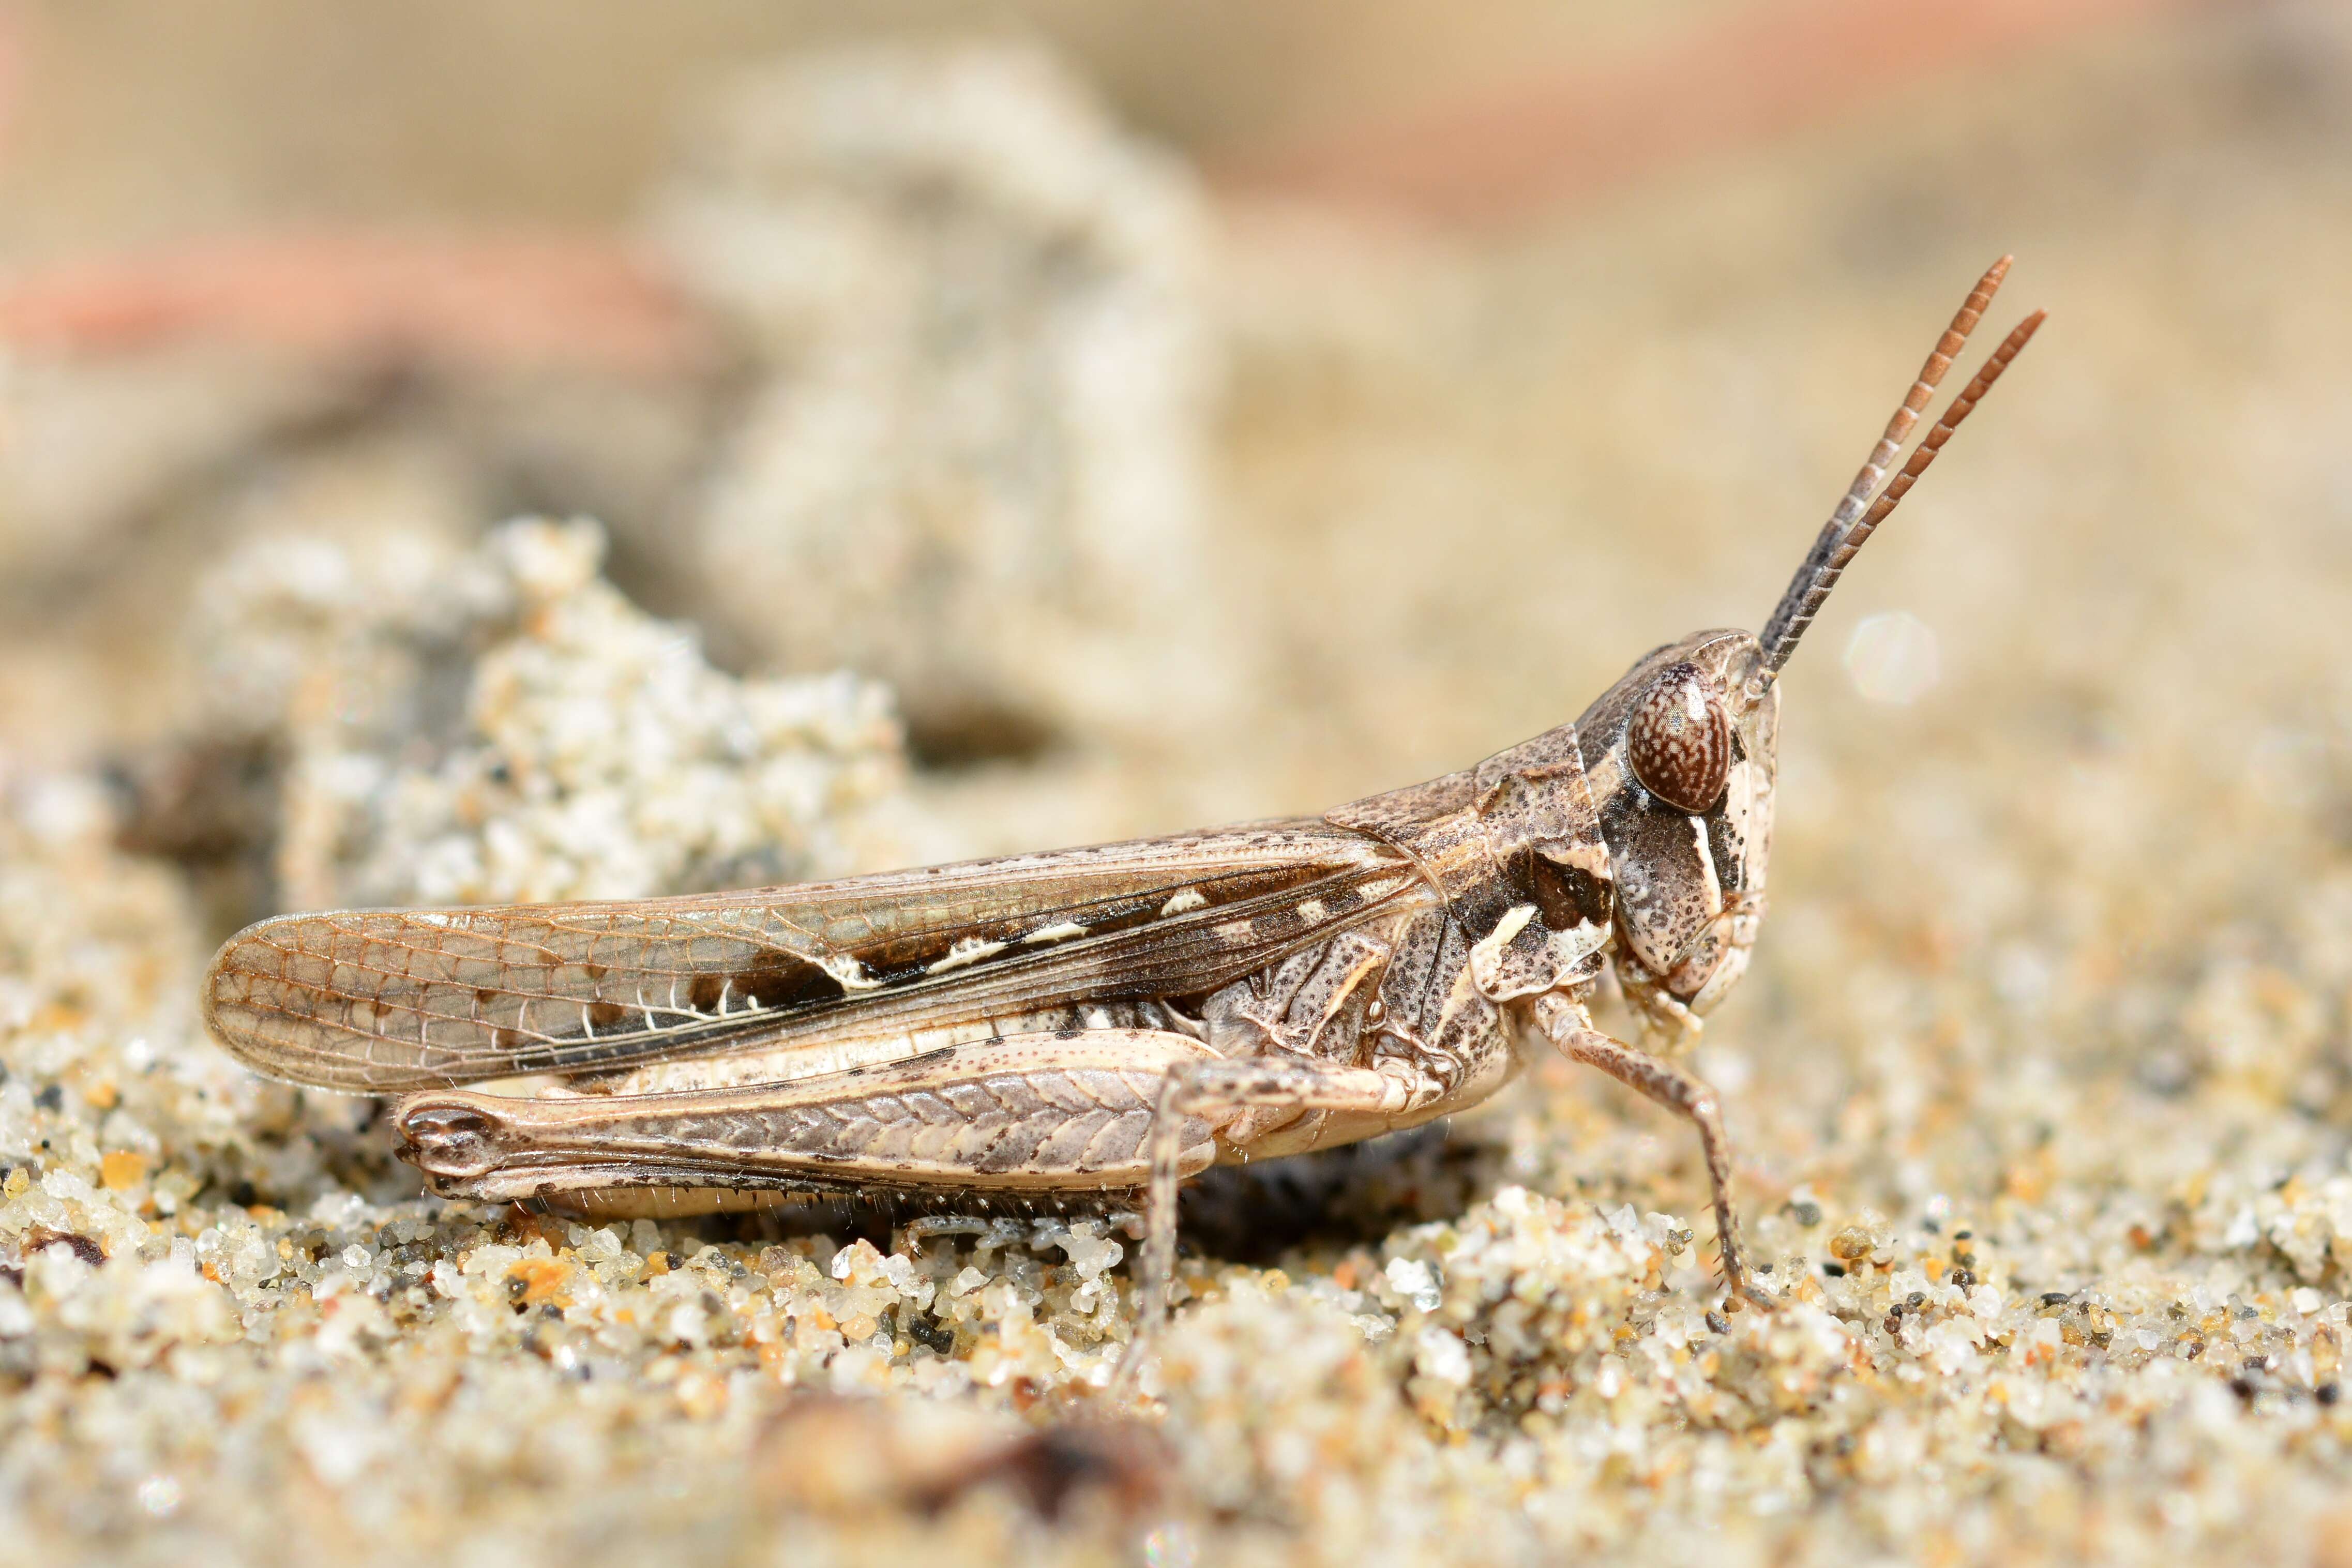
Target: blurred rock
852,1456
976,309
493,726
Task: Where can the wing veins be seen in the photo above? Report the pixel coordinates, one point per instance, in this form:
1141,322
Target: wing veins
731,936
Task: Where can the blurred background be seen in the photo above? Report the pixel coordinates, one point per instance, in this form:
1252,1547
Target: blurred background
1197,414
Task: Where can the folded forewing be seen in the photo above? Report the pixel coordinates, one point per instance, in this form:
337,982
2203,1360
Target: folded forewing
391,1000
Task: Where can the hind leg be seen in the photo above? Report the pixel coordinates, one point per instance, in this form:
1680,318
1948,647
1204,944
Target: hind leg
1212,1093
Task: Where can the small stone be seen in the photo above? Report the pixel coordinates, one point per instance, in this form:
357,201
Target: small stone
1416,1281
121,1170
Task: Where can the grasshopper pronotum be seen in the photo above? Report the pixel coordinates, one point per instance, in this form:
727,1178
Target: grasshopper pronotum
1105,1021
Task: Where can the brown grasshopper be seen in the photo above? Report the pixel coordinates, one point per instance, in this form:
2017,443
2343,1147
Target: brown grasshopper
1106,1022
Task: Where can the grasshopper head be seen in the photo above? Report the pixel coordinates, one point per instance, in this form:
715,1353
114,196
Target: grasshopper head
1680,753
1682,760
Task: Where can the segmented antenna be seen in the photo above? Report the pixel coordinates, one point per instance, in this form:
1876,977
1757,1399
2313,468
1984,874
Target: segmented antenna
1924,453
1849,526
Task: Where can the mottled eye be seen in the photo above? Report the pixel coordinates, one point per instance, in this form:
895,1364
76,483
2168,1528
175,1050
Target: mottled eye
1679,741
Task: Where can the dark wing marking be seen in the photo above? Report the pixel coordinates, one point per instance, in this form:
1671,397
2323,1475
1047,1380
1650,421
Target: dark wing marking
391,1000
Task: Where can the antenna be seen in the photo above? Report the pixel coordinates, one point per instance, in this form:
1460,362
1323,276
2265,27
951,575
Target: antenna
1849,525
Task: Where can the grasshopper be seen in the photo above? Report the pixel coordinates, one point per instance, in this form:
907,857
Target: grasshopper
1100,1023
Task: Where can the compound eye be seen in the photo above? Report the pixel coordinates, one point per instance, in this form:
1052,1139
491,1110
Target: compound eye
1679,741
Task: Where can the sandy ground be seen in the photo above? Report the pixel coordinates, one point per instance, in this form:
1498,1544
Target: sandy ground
2042,1081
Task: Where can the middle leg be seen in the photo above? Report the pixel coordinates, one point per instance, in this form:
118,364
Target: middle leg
1212,1092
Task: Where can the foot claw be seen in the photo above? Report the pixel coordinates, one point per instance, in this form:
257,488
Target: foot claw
1739,1286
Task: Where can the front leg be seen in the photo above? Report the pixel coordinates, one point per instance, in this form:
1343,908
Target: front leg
1194,1092
1680,1091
